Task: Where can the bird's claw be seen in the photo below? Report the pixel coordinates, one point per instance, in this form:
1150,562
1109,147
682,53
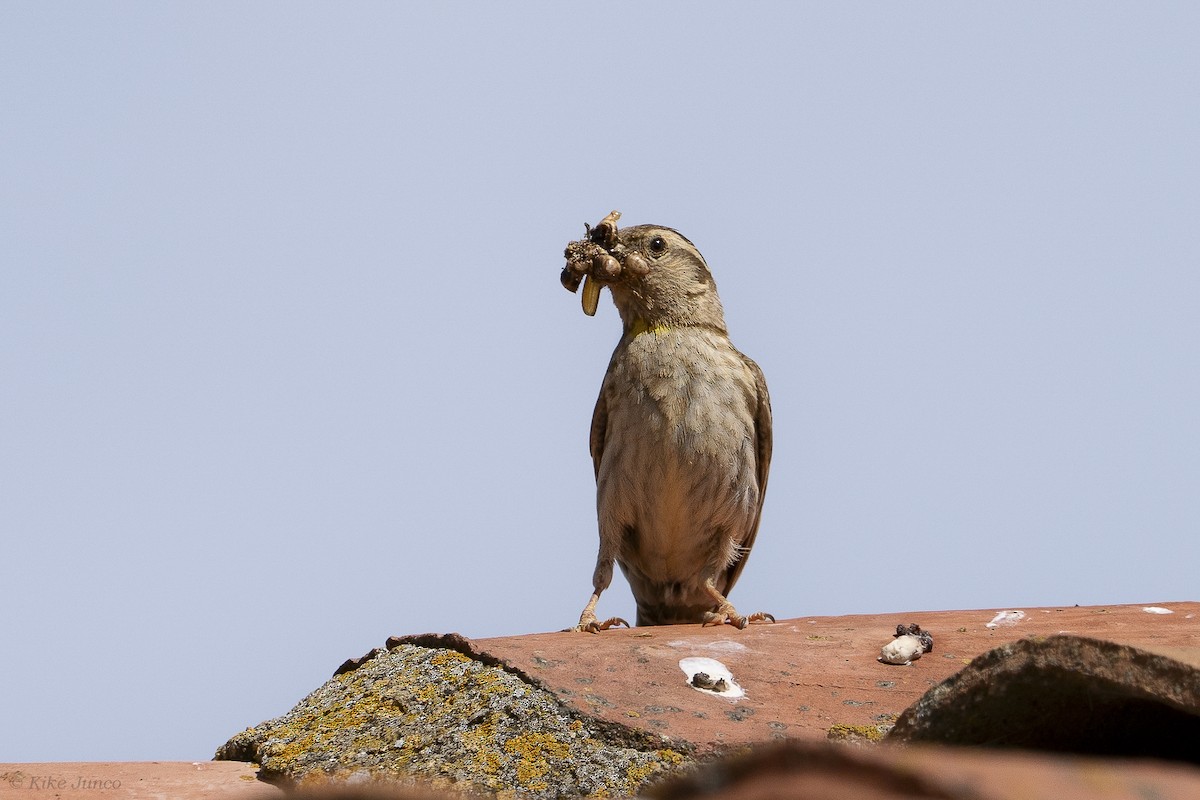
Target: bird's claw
730,616
594,626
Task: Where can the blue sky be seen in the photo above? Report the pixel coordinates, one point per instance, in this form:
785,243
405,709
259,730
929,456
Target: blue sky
287,367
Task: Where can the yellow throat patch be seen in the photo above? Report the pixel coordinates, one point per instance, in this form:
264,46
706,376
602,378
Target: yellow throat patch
640,326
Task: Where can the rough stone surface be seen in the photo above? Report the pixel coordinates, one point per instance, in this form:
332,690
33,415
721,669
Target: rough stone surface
1065,693
419,714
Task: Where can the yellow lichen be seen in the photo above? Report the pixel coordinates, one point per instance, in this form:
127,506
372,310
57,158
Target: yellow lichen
446,658
388,716
671,756
537,745
637,774
533,750
854,733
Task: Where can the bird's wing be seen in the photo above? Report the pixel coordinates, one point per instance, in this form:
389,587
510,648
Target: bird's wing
762,435
599,425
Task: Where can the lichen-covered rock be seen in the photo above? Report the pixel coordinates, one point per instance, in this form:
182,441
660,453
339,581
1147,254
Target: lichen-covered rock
438,716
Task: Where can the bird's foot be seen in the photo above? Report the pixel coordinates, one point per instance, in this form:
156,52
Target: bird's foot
727,614
589,624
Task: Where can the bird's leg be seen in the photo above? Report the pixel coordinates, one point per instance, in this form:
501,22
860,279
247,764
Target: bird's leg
726,613
588,622
600,581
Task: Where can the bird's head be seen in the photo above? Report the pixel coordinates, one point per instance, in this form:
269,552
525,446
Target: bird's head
657,276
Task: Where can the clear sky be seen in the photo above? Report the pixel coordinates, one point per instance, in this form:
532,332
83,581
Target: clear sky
286,367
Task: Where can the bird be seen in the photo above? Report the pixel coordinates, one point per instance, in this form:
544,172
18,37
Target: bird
681,431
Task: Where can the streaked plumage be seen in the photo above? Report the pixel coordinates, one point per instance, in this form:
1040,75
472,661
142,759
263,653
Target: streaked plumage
681,434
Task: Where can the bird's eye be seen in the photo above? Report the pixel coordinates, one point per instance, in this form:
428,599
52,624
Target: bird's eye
658,246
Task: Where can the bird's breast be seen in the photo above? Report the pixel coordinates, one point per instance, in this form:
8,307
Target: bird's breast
678,466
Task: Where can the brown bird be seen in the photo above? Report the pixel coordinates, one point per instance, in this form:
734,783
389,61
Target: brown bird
681,432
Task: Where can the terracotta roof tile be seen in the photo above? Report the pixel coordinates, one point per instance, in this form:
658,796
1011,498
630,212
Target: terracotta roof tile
807,678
